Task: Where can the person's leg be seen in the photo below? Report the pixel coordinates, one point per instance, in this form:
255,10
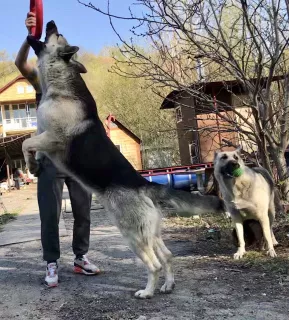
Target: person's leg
81,204
17,184
50,186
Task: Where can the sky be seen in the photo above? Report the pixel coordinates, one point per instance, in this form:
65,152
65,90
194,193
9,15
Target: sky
81,26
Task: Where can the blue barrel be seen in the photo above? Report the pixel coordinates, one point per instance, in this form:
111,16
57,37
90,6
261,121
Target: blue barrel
181,181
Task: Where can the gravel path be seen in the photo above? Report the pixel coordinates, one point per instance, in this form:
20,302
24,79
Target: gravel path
208,284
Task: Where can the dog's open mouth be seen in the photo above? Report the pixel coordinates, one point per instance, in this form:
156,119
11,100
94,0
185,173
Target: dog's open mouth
230,169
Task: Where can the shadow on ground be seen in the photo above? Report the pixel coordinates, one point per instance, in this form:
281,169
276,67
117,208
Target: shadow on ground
209,285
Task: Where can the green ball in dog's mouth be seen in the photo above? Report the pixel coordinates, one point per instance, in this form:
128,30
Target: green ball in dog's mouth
237,172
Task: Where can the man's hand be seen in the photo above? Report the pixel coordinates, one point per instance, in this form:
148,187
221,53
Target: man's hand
30,21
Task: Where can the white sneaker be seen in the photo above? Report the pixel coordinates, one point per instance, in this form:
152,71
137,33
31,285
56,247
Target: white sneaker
51,279
84,266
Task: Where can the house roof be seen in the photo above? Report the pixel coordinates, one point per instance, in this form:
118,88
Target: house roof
12,145
208,88
9,84
112,119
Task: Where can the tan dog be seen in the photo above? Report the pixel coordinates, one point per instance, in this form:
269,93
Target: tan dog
248,194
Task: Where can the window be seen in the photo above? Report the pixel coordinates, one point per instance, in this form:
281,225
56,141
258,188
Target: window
7,112
15,111
22,111
179,116
29,89
20,89
18,111
32,110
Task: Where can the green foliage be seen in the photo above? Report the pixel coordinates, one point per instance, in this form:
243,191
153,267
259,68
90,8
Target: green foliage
8,70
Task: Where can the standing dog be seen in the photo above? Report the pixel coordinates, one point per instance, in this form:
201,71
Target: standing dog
248,194
73,137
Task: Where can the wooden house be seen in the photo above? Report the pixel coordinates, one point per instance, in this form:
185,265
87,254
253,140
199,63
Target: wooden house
192,117
125,140
18,121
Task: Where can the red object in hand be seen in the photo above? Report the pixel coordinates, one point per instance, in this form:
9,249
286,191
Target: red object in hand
36,7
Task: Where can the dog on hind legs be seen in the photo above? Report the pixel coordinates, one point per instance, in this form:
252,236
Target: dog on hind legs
248,194
71,134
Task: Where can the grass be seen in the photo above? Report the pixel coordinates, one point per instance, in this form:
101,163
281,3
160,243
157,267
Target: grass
6,217
253,259
278,265
208,221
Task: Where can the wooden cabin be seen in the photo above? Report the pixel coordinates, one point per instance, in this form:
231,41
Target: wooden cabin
197,145
125,140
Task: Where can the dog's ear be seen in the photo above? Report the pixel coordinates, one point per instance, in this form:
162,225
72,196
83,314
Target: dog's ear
35,44
79,66
67,52
216,154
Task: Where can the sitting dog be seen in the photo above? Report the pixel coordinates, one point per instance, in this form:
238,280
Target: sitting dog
71,134
248,194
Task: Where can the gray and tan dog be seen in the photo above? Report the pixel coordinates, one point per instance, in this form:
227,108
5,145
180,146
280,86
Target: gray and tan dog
71,134
248,194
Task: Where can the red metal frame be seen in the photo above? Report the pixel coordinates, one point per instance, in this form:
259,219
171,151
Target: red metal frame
176,169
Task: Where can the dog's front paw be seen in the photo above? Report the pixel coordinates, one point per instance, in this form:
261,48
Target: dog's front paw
271,253
239,254
168,287
143,294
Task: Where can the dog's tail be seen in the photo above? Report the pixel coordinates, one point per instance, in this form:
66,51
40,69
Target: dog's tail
185,202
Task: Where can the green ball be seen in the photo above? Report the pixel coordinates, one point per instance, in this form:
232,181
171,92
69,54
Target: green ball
238,172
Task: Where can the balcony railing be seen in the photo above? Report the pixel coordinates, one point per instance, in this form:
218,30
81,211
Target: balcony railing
20,123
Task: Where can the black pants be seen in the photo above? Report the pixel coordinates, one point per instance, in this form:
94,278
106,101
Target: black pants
17,183
50,188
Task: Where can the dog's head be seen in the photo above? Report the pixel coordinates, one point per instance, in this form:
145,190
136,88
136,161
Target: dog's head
228,163
55,52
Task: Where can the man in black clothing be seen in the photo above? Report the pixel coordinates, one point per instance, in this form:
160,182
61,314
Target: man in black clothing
50,188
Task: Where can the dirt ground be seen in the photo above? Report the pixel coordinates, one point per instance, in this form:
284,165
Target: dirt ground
209,284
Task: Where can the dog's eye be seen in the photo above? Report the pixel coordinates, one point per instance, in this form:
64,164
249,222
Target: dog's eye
235,157
224,157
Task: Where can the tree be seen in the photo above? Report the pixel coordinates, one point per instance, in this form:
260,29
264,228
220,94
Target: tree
238,40
7,68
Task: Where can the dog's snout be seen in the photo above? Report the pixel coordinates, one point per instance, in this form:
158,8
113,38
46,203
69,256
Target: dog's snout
235,164
51,29
50,24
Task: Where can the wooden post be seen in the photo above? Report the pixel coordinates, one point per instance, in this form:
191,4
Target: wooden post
8,175
217,121
7,169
